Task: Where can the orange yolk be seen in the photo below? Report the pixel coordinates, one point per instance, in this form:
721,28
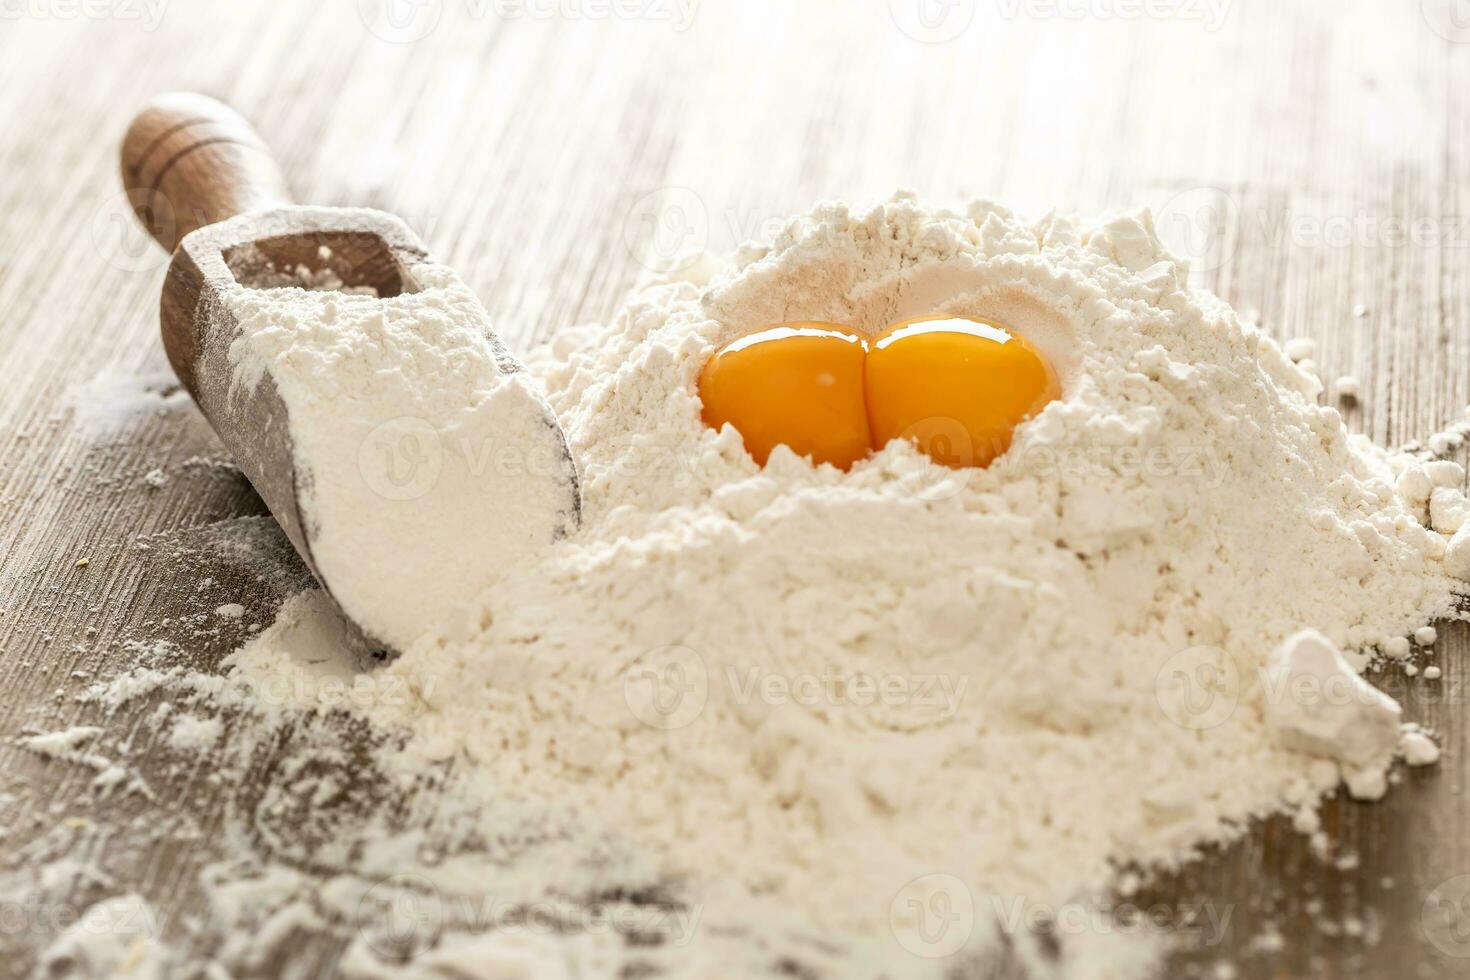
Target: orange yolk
955,386
797,384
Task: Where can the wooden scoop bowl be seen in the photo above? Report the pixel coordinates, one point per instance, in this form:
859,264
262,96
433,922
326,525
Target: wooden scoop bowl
205,186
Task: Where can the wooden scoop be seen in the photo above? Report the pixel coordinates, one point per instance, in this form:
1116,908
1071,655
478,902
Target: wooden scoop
205,186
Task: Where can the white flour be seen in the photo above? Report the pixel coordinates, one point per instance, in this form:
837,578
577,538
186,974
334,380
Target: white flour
859,698
804,722
411,430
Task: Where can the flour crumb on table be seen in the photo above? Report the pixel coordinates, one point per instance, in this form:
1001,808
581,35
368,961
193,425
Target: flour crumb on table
1318,705
1300,349
1418,748
190,733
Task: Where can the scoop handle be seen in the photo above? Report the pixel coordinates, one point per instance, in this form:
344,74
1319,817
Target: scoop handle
190,161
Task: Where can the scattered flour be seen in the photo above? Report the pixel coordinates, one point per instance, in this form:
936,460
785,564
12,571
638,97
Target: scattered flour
194,734
991,685
66,743
116,939
116,397
74,745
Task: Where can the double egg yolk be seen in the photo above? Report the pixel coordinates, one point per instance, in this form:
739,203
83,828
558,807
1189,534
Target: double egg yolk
956,387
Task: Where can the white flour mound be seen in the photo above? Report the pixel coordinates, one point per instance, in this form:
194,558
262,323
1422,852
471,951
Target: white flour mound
861,699
411,429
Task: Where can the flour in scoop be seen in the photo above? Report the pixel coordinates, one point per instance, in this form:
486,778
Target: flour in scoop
831,703
424,464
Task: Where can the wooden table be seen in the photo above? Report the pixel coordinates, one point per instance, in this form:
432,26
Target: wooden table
1310,156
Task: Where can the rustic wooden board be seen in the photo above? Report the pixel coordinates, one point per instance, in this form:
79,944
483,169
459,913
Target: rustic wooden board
527,145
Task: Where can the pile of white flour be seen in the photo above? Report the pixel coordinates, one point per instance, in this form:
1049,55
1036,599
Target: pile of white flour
860,702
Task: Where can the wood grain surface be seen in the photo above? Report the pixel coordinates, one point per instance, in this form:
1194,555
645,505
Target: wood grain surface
1312,157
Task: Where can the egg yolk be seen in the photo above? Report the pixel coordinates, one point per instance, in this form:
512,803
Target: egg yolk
955,386
795,384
